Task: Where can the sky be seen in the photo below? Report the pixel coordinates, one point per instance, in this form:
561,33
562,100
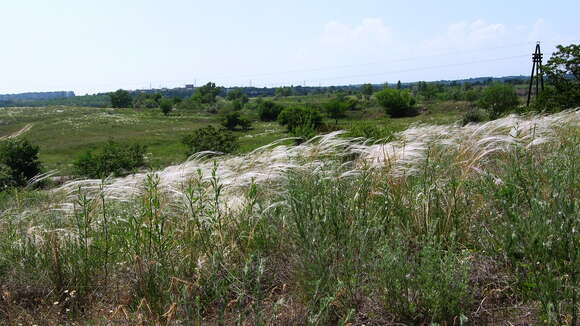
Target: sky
97,46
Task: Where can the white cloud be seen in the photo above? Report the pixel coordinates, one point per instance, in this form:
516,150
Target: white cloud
370,31
473,34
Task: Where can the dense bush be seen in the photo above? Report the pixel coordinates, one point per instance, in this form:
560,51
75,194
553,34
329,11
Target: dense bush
336,108
166,105
300,116
474,115
111,159
368,130
18,162
397,103
268,110
563,74
498,99
231,120
210,139
121,99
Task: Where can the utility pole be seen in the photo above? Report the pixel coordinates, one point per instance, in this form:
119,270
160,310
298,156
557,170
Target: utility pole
539,71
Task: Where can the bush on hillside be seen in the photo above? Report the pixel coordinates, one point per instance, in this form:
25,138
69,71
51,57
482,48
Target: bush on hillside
111,159
121,99
210,139
397,103
300,116
268,110
474,115
499,99
18,162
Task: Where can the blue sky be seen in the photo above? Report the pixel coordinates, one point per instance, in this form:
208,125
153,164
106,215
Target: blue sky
92,46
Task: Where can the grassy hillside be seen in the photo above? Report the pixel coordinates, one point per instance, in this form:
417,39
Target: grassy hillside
63,133
441,224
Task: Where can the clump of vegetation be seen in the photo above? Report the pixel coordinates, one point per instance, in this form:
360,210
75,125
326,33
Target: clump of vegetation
563,76
111,159
147,100
474,115
166,105
231,120
19,162
368,130
300,116
498,99
210,139
397,103
121,99
268,110
336,109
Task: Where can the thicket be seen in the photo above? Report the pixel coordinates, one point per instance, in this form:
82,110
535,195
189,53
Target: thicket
19,162
397,103
210,139
111,159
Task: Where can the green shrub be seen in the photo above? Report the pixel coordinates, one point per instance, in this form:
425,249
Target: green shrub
268,110
298,116
19,160
230,120
245,123
498,99
397,103
166,105
111,159
368,130
121,99
210,139
474,115
336,108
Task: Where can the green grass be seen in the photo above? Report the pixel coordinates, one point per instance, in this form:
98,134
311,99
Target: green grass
446,243
63,133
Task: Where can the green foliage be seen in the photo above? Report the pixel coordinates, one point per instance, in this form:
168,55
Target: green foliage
210,139
166,105
499,99
300,116
207,93
18,162
474,115
238,95
268,110
336,108
121,99
231,120
368,130
397,103
147,100
367,90
284,91
563,72
111,159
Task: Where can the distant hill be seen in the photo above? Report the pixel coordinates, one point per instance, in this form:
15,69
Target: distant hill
36,96
103,100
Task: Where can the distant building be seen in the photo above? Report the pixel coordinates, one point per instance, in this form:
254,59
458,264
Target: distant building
189,86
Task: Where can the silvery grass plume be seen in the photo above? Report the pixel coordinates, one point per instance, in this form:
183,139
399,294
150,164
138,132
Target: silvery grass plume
469,148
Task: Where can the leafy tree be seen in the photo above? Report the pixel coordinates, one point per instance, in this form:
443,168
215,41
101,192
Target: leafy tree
18,162
111,159
268,110
210,139
399,85
498,98
284,91
300,116
166,105
367,90
245,123
397,103
336,108
563,72
231,120
121,99
238,95
207,93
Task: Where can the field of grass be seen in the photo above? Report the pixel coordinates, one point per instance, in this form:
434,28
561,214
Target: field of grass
441,224
63,133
